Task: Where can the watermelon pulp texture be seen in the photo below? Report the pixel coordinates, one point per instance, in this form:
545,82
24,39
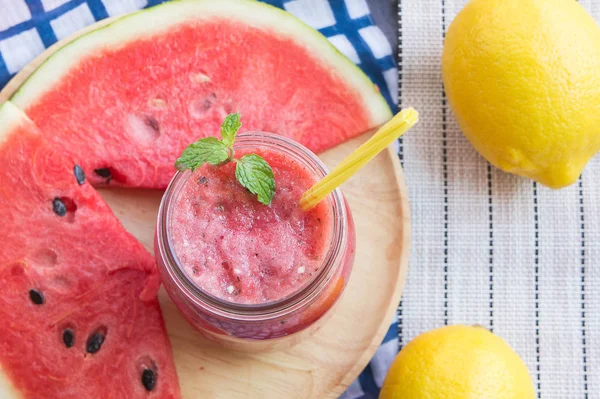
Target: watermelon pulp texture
240,250
78,307
126,109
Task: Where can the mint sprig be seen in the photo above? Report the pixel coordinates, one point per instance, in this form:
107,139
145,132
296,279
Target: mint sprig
252,171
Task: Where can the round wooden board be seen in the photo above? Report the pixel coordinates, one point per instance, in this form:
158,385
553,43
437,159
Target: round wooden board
324,364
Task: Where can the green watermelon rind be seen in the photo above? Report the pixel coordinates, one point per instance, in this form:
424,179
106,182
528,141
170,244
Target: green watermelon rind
152,21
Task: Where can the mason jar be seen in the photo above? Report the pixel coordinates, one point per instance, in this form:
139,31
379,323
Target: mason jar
277,323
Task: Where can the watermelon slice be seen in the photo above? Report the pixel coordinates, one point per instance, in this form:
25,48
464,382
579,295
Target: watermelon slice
125,99
78,305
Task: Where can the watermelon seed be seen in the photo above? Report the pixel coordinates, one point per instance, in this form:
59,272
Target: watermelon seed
79,174
103,172
110,174
200,78
64,206
68,337
152,122
59,207
36,297
148,379
157,103
199,106
143,128
94,343
209,100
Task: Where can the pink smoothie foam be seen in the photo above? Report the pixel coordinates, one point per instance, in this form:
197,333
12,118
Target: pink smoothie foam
242,251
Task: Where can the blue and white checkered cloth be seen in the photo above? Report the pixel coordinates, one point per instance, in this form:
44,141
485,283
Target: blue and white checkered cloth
27,27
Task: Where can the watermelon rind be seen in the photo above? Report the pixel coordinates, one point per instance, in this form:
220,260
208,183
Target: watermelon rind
10,116
161,18
7,391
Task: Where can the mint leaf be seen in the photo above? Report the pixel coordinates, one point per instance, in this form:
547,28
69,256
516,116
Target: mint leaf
229,128
254,173
205,150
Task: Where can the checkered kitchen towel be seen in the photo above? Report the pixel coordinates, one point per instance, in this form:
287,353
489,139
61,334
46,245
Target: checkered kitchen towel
27,27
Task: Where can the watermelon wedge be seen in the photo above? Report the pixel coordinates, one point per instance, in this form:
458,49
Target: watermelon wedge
78,305
125,99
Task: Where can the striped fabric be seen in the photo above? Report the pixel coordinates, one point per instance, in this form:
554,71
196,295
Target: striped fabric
491,248
27,27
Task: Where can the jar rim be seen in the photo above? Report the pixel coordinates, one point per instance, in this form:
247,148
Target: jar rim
299,297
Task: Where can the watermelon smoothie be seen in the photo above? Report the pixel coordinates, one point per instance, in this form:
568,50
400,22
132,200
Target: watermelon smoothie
244,273
239,250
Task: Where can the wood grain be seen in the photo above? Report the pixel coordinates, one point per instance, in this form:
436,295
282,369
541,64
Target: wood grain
323,365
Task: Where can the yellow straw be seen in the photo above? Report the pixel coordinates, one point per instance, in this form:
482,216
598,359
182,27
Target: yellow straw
389,132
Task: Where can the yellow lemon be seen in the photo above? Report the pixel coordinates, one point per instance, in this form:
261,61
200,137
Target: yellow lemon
458,362
523,78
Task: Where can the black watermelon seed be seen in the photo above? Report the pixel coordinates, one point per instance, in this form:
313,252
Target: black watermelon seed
59,207
148,379
79,174
36,297
103,172
68,337
94,343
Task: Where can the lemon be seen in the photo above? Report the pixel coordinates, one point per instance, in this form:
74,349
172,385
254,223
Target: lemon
523,78
457,362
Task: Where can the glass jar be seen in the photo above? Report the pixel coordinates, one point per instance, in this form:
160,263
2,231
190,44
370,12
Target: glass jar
278,323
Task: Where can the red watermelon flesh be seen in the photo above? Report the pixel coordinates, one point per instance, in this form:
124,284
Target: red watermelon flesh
71,276
126,108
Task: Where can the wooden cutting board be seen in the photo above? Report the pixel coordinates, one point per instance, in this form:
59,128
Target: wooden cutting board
324,364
